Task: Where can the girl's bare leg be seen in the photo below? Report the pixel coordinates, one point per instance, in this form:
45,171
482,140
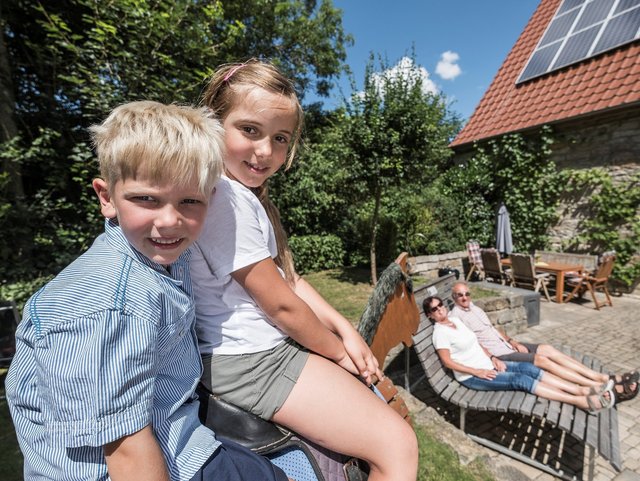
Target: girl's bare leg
333,409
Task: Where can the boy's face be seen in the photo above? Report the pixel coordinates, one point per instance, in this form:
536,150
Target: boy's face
160,221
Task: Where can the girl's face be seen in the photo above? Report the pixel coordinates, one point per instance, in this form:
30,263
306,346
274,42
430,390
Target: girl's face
258,130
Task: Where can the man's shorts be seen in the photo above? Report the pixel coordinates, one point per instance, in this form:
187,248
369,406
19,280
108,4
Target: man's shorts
522,356
232,462
258,382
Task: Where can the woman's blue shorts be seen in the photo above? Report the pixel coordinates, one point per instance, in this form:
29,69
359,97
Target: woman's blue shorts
519,376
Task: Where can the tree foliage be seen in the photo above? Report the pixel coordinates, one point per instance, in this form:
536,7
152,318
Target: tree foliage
64,64
391,136
517,171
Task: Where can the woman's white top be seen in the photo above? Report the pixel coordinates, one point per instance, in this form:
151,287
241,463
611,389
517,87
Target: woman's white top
236,234
463,346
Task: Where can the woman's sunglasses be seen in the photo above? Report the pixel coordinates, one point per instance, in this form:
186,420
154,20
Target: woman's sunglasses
435,308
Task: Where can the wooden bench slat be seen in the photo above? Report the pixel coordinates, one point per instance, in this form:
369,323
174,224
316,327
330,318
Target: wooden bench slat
541,407
616,456
449,390
604,440
458,396
516,401
489,402
505,401
478,398
579,424
528,404
566,417
553,412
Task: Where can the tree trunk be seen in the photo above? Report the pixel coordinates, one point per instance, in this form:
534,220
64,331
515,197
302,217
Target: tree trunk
374,232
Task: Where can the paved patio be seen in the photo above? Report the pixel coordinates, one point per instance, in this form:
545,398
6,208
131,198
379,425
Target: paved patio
612,335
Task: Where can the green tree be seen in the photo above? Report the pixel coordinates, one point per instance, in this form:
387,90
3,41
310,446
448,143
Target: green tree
395,135
513,169
64,64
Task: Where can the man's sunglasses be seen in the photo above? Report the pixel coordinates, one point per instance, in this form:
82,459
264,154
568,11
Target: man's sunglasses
462,294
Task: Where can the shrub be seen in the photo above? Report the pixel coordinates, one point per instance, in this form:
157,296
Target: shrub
316,252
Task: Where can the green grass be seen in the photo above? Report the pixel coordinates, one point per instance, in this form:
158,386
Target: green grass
346,289
479,292
438,462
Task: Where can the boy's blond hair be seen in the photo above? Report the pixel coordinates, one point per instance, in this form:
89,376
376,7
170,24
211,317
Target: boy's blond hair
160,143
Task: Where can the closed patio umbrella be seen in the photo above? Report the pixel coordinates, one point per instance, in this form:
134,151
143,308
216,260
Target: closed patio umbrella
504,244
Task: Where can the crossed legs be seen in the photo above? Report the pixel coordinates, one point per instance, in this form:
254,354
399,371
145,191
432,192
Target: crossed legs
345,416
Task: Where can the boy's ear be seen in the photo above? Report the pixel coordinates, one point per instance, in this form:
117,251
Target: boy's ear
106,206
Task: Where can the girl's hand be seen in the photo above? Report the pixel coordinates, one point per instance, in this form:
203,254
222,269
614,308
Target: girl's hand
488,374
347,364
362,357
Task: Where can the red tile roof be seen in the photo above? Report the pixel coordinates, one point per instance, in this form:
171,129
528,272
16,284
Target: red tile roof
607,81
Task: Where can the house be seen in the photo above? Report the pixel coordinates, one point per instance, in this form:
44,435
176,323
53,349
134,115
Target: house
575,67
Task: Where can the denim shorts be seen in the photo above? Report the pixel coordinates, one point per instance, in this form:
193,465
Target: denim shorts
259,382
522,356
519,376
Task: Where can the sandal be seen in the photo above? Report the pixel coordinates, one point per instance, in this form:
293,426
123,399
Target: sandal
607,386
604,402
627,392
628,377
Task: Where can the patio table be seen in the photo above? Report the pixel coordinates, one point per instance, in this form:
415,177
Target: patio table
558,269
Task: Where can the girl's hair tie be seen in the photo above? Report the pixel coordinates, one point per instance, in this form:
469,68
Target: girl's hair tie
232,71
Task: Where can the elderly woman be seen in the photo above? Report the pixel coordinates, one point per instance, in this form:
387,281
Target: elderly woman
459,350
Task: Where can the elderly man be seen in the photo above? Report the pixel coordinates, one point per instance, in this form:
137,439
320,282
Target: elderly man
504,348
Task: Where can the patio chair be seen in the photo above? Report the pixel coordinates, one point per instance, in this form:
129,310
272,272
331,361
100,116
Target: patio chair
593,282
523,274
493,267
475,261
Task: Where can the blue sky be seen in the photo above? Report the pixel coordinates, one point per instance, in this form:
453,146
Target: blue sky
478,34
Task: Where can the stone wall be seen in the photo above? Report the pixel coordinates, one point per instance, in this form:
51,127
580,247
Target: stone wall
611,142
507,311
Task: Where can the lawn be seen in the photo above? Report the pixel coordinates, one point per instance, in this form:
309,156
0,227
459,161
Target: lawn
347,290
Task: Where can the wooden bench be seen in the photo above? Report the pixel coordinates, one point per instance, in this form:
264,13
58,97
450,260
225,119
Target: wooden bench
599,432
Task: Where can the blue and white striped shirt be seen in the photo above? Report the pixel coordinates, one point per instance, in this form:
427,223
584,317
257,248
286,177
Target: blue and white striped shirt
103,350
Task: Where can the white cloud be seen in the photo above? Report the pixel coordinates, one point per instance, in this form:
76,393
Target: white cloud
406,69
448,68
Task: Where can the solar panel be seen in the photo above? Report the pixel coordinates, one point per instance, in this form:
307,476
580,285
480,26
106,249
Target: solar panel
581,29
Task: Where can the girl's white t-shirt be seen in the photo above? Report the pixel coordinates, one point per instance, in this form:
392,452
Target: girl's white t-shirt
463,346
236,234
